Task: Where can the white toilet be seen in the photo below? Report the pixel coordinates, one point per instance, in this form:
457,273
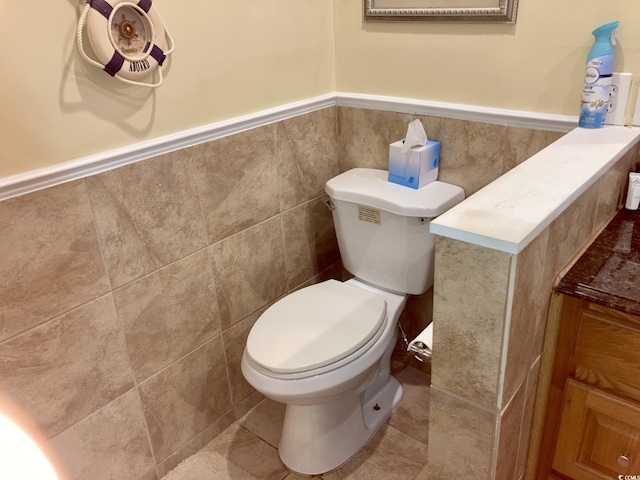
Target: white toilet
325,350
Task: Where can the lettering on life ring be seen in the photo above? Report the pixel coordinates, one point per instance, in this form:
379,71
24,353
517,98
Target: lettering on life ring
139,66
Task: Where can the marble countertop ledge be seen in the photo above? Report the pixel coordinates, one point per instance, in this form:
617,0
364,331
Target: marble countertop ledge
511,211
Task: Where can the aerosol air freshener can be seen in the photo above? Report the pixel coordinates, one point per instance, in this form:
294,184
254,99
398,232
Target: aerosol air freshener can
597,77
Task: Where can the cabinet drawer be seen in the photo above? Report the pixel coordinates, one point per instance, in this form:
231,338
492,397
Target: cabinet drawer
599,435
607,354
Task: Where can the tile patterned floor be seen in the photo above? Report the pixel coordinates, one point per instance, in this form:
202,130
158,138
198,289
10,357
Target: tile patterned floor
398,451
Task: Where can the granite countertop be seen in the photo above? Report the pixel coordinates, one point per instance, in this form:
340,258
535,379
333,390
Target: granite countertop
608,273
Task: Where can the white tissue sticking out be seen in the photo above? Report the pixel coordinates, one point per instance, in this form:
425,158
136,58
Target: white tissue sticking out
416,136
423,343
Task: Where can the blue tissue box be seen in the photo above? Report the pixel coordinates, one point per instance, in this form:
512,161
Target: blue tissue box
415,168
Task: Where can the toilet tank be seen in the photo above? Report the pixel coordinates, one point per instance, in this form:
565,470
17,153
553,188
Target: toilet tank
383,228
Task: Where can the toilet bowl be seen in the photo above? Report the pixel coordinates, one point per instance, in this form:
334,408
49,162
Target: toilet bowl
325,350
331,368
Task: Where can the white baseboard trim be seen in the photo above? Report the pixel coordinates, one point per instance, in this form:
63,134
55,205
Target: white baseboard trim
20,184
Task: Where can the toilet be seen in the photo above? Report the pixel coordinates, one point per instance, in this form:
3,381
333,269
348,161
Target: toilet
325,350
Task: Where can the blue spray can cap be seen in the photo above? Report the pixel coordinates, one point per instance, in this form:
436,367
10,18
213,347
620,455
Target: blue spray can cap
605,40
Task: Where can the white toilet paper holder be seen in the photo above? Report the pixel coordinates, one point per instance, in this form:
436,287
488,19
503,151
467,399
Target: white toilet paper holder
420,350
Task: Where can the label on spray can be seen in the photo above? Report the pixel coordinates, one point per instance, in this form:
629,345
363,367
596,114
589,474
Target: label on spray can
595,94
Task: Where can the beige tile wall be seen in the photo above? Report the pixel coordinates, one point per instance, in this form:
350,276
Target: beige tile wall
490,311
126,297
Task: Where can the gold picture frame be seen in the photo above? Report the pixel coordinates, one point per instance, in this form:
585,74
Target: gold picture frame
453,11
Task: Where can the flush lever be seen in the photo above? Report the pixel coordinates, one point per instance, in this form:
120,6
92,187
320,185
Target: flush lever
330,205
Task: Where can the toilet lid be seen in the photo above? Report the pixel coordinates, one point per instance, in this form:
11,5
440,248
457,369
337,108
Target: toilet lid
315,326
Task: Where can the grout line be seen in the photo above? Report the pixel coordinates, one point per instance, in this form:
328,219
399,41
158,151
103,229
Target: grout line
56,317
527,392
455,396
146,428
123,336
226,370
504,348
194,176
97,233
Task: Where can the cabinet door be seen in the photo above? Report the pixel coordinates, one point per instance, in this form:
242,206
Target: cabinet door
607,352
599,435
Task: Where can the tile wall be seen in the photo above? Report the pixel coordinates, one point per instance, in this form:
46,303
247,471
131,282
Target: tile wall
490,310
126,297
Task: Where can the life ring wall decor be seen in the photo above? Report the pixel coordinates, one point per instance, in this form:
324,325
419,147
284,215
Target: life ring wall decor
129,39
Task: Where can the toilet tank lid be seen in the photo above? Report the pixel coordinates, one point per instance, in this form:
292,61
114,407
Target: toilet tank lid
369,187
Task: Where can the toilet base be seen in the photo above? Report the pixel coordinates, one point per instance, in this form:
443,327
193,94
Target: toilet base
318,438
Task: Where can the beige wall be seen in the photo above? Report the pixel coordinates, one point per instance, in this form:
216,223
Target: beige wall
535,65
232,58
236,58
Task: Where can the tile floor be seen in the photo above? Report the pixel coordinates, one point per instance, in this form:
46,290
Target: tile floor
398,451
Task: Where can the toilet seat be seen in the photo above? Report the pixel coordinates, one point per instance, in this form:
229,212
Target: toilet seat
316,329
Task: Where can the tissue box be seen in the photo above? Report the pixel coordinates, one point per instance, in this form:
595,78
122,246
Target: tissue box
415,168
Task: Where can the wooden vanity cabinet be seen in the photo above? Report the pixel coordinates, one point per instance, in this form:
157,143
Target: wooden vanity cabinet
592,427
